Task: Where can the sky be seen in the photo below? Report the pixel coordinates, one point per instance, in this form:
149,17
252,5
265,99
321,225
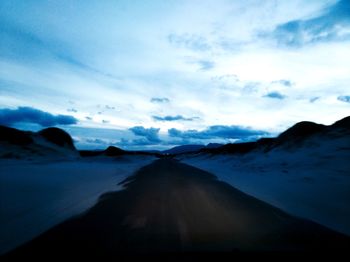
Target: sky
152,74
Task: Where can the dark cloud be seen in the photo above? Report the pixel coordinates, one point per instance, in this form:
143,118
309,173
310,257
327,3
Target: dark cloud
151,134
314,99
224,132
206,65
72,110
190,41
88,118
327,27
32,115
283,82
345,99
174,118
275,95
160,100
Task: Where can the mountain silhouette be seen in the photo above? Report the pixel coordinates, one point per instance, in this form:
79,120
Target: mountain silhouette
293,137
58,137
25,144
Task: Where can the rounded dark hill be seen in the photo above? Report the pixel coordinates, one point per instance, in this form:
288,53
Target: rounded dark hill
114,151
343,123
301,130
15,136
57,136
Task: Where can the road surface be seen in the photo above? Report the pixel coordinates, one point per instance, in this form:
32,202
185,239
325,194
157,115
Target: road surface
168,206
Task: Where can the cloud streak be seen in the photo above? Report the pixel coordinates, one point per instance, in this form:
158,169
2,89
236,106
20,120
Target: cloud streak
190,41
32,115
332,25
275,95
160,100
174,118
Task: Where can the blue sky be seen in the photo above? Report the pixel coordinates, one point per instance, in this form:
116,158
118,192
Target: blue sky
153,74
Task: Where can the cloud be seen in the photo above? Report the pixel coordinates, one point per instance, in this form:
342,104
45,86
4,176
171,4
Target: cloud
35,116
109,107
218,131
173,118
72,110
345,99
332,25
151,134
275,95
160,100
314,99
190,41
88,118
23,44
206,65
283,82
125,143
96,141
105,121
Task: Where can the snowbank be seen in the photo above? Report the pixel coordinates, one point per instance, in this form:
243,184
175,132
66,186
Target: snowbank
38,195
312,181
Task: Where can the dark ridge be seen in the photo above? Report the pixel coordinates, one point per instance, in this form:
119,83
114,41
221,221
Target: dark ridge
343,123
290,138
15,136
114,151
238,148
57,136
90,153
213,145
301,130
183,149
293,135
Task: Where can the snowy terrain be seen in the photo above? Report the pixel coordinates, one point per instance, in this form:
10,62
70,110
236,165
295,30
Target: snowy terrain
36,195
311,180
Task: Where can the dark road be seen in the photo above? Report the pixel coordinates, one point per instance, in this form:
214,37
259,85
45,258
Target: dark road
168,206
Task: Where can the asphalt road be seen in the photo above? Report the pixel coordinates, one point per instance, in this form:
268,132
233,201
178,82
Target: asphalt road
168,206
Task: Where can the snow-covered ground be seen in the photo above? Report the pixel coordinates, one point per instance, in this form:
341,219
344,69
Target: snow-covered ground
312,181
36,195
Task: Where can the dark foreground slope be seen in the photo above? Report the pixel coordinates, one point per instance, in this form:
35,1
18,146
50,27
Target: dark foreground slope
172,207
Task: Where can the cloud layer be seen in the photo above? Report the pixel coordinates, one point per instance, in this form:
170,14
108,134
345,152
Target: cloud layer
174,118
256,63
32,115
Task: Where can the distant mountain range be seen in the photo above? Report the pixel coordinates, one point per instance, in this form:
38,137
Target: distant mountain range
54,141
189,148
